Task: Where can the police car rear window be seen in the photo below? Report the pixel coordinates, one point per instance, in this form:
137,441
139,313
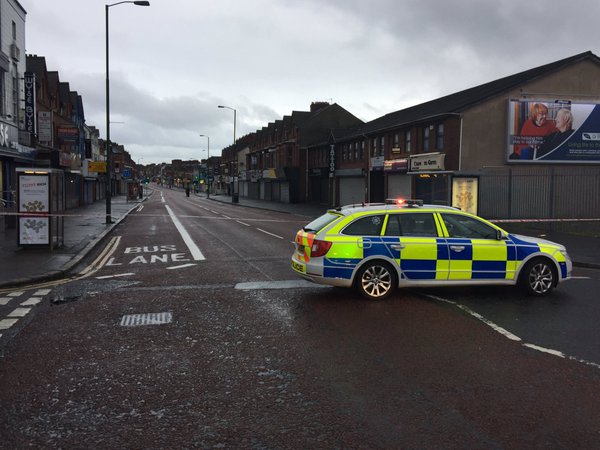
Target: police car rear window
365,226
321,222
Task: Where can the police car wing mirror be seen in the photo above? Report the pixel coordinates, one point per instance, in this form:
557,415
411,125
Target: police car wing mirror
501,235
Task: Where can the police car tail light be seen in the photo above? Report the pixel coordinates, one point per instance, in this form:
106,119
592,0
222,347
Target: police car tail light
319,248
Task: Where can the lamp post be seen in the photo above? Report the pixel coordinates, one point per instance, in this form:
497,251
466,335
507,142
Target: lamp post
207,171
237,169
108,144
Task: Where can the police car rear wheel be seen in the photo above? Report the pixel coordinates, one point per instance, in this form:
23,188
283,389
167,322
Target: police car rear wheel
376,281
539,277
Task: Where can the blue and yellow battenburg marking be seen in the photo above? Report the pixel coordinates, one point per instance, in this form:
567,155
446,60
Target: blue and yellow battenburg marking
421,258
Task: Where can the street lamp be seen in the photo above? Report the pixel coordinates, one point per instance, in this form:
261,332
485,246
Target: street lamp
108,145
237,169
207,171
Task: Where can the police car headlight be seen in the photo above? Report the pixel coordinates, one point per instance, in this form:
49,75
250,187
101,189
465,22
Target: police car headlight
565,254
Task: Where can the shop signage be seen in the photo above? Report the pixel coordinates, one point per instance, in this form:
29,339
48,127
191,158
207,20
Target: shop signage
331,159
97,166
395,165
427,162
68,134
45,127
30,102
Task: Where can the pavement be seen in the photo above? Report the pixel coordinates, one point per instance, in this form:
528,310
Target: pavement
85,228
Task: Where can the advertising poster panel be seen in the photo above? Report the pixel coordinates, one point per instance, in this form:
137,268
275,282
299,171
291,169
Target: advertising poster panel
465,193
34,201
553,131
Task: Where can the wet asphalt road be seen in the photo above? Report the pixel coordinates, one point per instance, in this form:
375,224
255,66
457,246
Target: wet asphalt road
286,366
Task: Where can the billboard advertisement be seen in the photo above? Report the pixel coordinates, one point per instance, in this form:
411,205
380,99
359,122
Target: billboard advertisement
553,132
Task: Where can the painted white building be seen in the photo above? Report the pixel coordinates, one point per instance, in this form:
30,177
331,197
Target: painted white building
12,115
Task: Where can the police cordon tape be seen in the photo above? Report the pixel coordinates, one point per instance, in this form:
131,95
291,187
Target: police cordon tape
42,214
541,220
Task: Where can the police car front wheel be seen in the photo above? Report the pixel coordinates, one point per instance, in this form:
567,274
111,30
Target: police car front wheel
538,277
376,280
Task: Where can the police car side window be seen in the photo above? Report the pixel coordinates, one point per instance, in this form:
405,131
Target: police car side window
460,226
417,224
365,226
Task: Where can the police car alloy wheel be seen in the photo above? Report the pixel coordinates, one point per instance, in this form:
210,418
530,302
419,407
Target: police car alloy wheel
376,281
539,277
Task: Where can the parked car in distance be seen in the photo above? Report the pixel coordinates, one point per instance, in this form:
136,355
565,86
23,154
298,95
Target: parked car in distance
379,247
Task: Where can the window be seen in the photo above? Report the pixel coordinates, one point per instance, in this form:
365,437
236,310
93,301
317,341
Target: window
374,149
396,140
382,146
411,224
15,95
365,226
426,138
407,142
460,226
2,94
439,137
357,155
14,31
362,150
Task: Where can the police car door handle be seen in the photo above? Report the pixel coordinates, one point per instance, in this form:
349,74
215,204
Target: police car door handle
397,247
457,248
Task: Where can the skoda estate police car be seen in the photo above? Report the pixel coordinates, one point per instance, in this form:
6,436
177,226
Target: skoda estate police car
379,247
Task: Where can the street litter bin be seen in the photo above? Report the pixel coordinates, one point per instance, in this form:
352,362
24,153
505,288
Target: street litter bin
235,197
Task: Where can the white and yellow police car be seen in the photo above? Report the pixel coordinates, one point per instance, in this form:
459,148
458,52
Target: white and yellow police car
379,247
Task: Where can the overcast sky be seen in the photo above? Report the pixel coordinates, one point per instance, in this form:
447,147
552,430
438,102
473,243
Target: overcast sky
172,63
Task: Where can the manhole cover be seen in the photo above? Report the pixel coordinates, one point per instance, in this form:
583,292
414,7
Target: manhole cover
136,320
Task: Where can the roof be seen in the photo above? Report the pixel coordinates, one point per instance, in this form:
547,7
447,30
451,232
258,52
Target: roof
460,101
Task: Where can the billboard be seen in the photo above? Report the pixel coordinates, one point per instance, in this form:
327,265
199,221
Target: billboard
553,132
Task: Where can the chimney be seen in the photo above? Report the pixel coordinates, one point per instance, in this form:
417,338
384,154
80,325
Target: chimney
315,106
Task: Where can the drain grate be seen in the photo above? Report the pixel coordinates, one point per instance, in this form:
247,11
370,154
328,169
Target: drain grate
136,320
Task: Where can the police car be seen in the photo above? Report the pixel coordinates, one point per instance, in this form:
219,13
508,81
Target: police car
379,247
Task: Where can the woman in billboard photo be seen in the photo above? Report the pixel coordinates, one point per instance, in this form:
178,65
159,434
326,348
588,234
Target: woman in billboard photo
537,125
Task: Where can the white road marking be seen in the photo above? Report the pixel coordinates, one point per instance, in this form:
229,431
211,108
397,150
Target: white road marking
180,267
5,300
242,223
227,217
42,292
5,324
140,208
270,234
19,312
32,301
115,276
511,336
545,350
162,197
580,278
478,316
16,294
284,284
214,212
194,250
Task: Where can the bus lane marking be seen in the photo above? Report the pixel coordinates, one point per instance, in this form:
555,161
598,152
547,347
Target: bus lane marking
194,250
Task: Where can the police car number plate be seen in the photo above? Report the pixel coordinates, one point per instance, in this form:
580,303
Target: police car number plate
298,267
